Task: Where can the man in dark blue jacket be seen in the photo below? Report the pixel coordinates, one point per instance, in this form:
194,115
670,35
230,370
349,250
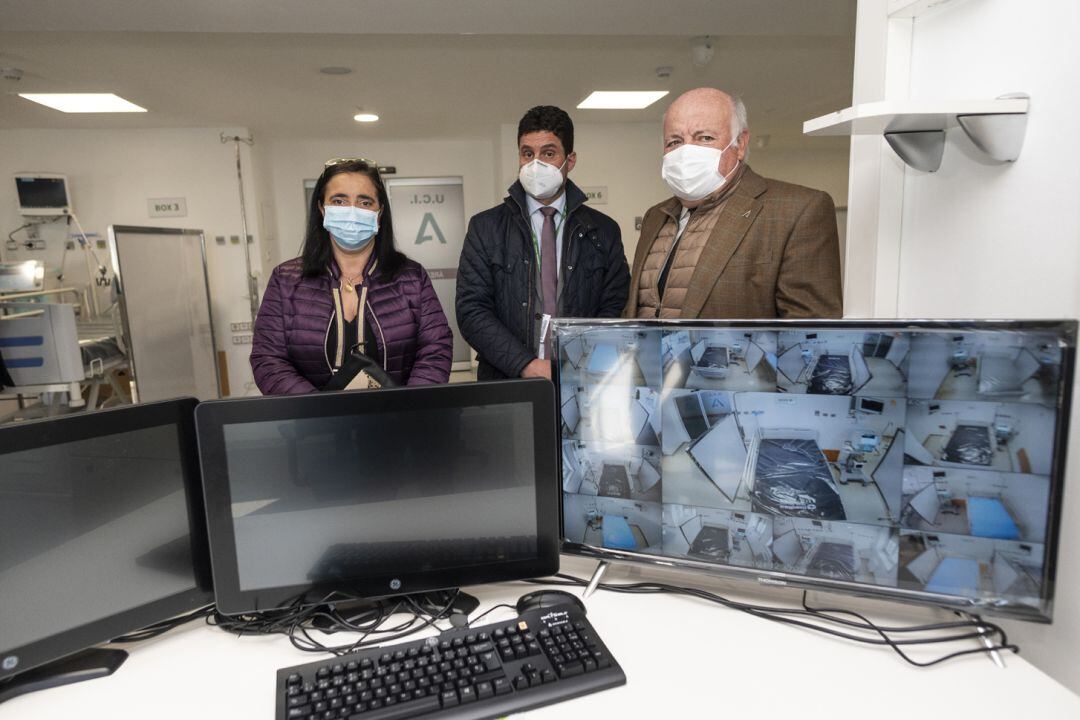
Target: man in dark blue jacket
540,254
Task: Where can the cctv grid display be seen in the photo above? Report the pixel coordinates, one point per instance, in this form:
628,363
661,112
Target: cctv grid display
916,460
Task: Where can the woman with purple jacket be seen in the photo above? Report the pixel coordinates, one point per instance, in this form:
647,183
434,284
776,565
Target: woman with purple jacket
350,289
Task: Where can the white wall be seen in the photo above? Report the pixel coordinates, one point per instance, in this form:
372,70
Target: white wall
974,239
112,174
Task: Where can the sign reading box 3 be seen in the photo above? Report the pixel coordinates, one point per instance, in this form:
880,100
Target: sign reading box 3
167,207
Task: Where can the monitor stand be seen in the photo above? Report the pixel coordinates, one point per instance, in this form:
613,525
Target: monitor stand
85,665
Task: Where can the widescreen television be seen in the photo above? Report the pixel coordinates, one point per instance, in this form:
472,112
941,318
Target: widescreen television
102,533
919,461
372,494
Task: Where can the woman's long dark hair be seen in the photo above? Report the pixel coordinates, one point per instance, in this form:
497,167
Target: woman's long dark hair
317,253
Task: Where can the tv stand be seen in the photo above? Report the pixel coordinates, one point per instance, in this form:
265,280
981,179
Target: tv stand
85,665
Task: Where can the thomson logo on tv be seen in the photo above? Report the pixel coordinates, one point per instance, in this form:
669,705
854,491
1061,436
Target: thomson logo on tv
772,581
10,662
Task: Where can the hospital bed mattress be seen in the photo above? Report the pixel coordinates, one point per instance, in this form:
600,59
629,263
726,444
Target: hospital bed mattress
104,349
955,576
970,445
714,362
831,376
989,518
614,481
604,359
793,478
834,560
711,543
618,534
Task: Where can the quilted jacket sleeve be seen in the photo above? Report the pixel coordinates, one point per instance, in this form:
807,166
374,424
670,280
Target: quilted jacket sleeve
616,276
476,315
274,374
434,342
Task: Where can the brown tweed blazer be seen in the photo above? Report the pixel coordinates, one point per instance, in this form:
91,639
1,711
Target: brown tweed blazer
773,253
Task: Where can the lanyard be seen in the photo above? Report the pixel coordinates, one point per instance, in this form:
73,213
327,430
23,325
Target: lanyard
536,243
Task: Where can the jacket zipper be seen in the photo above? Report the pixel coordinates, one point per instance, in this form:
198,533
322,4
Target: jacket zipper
326,337
378,326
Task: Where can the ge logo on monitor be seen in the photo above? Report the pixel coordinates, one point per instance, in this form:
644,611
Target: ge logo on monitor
395,584
10,662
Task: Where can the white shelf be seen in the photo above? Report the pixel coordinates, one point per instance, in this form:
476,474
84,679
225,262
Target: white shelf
916,129
907,116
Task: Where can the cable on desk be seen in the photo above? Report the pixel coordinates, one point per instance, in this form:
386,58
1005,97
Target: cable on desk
977,628
300,618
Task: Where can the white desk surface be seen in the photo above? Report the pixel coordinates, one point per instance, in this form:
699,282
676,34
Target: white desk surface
683,657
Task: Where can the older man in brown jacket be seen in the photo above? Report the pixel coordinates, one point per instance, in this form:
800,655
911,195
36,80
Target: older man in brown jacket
731,244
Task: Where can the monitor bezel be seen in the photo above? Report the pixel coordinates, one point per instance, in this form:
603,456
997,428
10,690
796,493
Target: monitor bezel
113,421
1066,328
212,416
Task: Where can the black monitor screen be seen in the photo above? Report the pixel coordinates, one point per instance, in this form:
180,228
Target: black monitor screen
41,192
369,499
94,525
873,457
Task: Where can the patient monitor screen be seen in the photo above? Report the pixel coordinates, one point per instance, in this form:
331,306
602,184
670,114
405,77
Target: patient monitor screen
326,499
916,461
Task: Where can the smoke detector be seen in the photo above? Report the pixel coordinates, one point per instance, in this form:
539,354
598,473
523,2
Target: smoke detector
702,50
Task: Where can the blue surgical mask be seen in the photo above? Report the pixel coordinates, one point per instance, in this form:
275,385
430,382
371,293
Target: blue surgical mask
352,228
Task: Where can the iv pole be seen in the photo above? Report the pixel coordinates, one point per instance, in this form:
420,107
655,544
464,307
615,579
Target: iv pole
252,281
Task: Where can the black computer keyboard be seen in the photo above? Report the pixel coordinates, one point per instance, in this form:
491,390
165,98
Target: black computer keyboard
537,659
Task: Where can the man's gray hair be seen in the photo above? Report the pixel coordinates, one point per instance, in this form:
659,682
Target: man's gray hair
738,121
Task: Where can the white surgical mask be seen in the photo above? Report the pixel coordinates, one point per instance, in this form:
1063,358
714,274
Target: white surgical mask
691,171
540,179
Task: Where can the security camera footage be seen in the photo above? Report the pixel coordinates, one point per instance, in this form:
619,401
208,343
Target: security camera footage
917,460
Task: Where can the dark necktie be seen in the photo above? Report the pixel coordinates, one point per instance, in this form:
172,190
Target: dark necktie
549,270
549,265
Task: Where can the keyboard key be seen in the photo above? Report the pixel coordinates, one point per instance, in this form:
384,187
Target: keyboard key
297,701
501,686
547,676
467,695
400,710
589,664
570,669
521,682
448,698
299,712
485,689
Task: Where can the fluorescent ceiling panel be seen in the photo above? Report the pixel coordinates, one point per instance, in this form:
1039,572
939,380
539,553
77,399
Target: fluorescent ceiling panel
621,100
83,102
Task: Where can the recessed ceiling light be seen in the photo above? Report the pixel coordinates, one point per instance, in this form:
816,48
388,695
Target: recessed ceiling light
365,117
621,100
335,70
83,102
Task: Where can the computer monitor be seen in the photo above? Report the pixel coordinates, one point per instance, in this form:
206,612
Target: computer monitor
102,532
914,460
378,493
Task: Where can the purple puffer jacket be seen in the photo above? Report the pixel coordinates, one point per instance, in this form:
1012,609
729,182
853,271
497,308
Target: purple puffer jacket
288,350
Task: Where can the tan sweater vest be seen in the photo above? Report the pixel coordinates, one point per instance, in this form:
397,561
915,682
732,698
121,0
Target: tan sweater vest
696,235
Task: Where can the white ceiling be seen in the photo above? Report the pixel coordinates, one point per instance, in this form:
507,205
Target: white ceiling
422,85
487,17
